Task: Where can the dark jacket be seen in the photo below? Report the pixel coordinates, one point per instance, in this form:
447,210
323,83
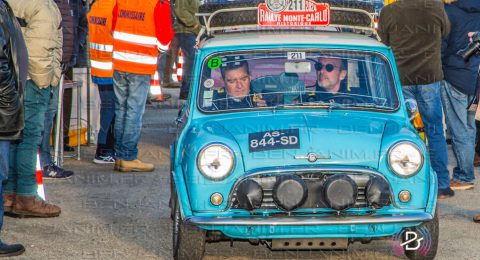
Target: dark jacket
13,74
464,16
80,23
414,30
186,21
67,30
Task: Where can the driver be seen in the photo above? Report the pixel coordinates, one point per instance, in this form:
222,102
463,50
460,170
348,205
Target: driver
331,73
237,92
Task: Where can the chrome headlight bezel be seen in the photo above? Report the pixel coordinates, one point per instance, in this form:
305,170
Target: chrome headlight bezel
409,145
222,150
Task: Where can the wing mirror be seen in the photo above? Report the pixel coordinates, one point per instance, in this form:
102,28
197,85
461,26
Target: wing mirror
412,108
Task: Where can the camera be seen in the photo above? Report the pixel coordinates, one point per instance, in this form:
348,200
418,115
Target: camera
472,48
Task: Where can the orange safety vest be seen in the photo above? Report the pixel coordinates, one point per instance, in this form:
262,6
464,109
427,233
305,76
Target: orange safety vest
101,39
135,41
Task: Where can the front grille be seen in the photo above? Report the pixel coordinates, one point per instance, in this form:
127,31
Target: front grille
314,183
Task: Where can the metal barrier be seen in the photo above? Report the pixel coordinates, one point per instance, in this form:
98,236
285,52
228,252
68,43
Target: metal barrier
58,141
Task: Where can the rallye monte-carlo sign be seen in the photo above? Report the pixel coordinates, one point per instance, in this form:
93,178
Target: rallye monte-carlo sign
293,13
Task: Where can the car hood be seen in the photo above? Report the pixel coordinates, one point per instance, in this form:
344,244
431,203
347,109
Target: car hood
337,138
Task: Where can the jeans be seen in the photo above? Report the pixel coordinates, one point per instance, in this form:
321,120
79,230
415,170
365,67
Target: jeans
131,92
105,140
4,149
166,60
45,156
430,107
23,153
187,44
462,129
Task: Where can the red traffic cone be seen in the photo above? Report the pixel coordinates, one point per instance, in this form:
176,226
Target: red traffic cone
156,89
39,177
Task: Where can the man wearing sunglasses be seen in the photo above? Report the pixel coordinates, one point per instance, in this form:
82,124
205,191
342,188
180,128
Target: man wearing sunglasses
331,73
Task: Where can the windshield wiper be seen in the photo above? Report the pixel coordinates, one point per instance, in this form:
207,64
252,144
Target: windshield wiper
365,105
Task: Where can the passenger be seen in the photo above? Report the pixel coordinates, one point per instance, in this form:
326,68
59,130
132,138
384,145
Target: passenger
330,75
237,92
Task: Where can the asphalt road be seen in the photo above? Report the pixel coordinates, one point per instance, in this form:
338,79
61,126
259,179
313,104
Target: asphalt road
109,215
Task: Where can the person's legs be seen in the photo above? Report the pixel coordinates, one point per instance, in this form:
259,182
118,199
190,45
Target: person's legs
166,62
130,93
138,90
120,88
187,44
105,141
4,150
25,151
49,168
45,155
22,181
430,107
6,250
461,125
67,111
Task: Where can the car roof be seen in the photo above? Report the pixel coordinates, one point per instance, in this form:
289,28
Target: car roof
257,38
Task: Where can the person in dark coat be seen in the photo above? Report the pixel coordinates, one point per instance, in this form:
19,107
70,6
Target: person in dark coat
459,89
13,77
414,30
49,168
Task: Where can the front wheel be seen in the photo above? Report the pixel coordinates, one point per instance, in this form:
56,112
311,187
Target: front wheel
429,231
188,240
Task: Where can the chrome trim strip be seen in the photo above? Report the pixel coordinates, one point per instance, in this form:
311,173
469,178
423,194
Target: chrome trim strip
308,221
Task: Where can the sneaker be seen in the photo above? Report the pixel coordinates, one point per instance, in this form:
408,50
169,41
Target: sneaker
52,171
103,159
445,193
455,185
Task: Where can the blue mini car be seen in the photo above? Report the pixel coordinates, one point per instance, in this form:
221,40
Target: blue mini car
299,140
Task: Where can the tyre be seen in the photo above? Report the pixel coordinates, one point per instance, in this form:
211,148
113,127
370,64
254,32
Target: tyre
432,229
173,197
188,241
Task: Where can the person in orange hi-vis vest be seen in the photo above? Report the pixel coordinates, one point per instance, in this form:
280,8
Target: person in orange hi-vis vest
101,48
141,28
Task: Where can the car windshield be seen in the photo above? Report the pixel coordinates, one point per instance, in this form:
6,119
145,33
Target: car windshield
291,78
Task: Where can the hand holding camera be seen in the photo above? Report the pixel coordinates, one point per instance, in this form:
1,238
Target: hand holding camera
472,48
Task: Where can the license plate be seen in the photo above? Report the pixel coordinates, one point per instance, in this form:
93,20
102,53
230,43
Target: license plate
273,140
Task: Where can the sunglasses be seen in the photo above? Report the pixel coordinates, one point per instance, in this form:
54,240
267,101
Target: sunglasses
328,67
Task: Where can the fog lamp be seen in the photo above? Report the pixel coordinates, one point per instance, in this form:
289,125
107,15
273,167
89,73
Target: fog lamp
404,196
216,199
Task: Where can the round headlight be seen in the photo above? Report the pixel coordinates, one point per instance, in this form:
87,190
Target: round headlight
215,161
405,159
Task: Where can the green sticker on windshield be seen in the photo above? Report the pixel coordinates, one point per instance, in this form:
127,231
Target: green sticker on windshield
214,63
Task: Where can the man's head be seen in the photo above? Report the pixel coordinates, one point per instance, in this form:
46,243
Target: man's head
236,76
330,73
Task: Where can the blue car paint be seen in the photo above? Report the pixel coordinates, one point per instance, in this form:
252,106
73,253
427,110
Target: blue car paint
194,190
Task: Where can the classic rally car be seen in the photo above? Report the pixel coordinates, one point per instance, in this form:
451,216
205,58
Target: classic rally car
298,139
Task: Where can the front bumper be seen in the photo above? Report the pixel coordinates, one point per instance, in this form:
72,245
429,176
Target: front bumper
310,221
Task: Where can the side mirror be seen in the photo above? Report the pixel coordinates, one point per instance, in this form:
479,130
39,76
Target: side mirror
412,108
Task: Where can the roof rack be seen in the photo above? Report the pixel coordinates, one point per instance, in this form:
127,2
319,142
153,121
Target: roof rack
220,18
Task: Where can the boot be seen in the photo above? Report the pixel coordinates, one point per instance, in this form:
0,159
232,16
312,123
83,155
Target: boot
133,166
8,202
11,250
34,206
